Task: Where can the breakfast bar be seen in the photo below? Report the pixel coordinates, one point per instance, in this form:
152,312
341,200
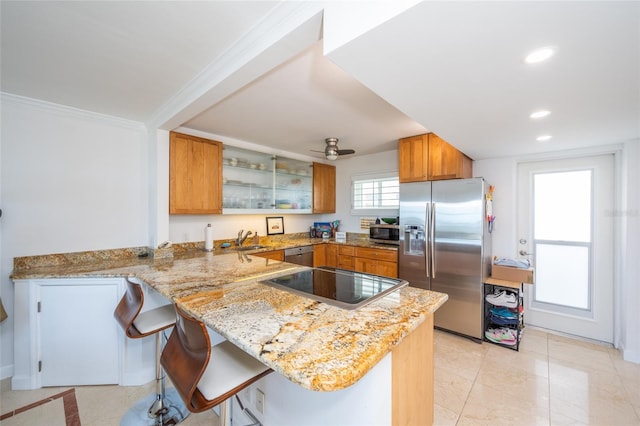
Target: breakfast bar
379,352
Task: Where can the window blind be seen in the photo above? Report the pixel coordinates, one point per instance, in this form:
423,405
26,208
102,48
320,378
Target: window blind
376,193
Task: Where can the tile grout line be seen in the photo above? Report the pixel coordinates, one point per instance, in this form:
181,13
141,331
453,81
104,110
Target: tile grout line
627,393
484,357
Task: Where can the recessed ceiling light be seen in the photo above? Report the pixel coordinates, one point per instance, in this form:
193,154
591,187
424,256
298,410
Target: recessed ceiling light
539,55
540,114
543,138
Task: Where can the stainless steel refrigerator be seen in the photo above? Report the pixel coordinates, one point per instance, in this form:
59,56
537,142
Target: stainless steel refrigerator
445,246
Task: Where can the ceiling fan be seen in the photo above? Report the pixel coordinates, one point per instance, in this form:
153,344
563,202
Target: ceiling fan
331,151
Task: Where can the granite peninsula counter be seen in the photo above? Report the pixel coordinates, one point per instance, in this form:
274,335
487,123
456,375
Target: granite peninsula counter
312,344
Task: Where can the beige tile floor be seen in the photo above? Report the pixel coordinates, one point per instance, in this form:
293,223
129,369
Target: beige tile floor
552,380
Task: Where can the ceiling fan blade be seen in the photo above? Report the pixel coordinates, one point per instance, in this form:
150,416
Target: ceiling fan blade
315,150
345,151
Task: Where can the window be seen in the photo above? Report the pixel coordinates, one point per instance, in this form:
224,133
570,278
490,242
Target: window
375,193
562,223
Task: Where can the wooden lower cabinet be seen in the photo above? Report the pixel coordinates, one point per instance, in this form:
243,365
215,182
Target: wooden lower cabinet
320,255
376,261
376,267
274,254
346,259
360,259
332,256
325,255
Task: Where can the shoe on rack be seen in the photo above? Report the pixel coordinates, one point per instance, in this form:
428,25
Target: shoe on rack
501,311
502,298
498,320
504,336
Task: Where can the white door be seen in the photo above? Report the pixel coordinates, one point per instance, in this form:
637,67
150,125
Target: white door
565,226
78,335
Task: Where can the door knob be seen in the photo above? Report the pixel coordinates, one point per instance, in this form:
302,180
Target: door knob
524,253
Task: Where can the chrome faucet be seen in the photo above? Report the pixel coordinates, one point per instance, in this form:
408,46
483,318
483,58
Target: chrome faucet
240,238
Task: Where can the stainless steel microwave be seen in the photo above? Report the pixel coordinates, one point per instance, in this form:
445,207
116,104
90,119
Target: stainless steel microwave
385,234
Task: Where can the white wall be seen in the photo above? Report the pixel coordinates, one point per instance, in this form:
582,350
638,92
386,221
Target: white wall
190,228
502,173
71,181
345,169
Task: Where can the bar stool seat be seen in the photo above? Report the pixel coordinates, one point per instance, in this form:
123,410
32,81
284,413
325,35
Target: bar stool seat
154,320
160,408
230,370
206,376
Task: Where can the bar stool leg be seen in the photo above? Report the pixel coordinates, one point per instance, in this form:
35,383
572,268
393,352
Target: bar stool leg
157,409
165,409
224,412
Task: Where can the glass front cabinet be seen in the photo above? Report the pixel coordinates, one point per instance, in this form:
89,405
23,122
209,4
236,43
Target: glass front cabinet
254,182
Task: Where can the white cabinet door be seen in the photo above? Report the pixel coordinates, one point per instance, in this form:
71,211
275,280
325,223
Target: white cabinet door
78,335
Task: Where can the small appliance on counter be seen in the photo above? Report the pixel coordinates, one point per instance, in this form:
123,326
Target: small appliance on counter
384,233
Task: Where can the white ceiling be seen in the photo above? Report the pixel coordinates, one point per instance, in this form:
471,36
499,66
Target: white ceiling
453,67
124,59
459,71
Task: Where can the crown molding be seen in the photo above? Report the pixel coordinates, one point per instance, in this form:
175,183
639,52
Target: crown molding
51,107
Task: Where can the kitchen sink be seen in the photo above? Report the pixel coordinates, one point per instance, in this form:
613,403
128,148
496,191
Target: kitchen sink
247,248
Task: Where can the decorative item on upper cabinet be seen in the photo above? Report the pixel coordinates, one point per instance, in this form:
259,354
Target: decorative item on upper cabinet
429,157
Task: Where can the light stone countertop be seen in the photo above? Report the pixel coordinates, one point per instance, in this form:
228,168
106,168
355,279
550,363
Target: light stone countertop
316,345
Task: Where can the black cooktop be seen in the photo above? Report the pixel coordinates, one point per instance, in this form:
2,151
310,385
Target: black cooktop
338,287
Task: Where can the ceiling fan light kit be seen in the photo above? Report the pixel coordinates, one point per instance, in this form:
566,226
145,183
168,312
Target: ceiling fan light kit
331,152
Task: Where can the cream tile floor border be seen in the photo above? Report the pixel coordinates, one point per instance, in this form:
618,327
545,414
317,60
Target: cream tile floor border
552,380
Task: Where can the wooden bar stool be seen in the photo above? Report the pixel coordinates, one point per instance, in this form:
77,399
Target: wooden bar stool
204,375
161,408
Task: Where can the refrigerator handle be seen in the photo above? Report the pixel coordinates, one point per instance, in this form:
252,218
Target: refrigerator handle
427,254
432,240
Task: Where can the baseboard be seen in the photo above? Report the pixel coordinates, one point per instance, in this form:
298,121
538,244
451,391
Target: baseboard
631,356
6,371
139,378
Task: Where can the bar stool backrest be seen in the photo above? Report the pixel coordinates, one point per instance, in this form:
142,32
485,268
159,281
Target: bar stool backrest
185,358
129,308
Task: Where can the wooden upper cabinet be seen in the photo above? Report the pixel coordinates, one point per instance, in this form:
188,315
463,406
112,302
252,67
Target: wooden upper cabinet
324,188
195,175
429,157
446,162
413,157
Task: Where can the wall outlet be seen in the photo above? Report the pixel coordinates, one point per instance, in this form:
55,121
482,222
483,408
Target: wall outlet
260,401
